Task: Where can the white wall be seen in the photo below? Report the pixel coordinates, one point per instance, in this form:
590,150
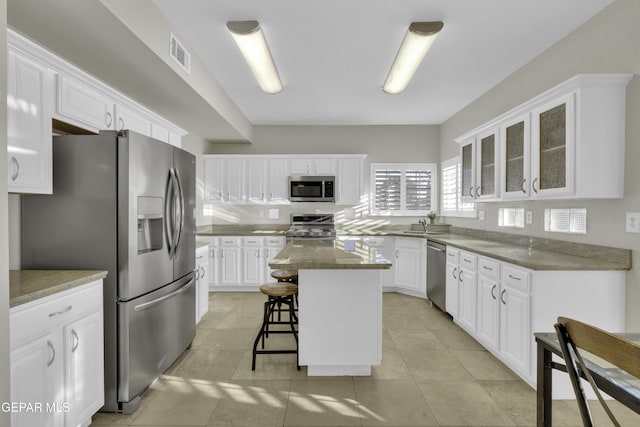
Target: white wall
4,241
382,144
608,43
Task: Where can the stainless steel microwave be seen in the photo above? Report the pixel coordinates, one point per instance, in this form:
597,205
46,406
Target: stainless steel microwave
311,188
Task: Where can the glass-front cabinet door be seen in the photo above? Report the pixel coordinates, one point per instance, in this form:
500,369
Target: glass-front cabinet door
515,158
467,156
486,165
553,133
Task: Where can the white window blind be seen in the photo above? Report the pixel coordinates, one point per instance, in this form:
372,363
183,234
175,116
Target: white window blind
451,190
402,188
566,220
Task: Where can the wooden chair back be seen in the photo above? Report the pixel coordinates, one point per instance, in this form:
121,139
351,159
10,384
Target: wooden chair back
574,335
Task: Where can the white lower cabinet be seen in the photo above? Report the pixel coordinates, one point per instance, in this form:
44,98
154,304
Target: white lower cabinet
488,302
468,291
411,266
515,318
452,283
57,358
241,262
202,282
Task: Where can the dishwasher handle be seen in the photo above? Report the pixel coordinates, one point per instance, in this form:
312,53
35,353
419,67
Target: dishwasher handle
434,248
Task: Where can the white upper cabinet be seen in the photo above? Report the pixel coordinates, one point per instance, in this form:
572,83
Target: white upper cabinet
515,158
278,172
82,105
349,181
29,99
550,146
263,179
487,165
313,166
137,121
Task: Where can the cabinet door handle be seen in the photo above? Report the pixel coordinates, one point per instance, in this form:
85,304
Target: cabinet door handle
203,272
53,353
522,185
502,296
487,268
121,121
533,185
76,340
477,191
514,277
471,191
56,313
16,168
257,254
460,275
109,119
493,289
197,271
453,273
396,253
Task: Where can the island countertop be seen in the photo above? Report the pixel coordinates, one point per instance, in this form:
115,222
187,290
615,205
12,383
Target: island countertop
301,254
30,285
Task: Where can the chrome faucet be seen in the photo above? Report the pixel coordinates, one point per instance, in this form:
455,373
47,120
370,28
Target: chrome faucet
424,224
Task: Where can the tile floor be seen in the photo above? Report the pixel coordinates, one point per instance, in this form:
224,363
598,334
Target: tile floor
432,374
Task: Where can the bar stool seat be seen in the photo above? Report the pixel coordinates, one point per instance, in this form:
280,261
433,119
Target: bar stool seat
278,293
285,275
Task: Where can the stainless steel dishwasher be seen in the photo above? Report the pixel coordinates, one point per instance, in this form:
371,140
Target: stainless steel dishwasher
436,273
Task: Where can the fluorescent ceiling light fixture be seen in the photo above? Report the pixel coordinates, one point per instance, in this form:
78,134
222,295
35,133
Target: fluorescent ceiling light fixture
415,46
251,42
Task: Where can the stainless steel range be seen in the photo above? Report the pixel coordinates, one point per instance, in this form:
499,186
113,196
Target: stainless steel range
311,226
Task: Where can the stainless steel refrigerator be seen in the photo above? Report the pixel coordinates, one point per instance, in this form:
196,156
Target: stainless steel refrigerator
125,203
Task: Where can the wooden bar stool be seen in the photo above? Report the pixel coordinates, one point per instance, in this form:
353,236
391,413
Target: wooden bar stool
288,276
278,293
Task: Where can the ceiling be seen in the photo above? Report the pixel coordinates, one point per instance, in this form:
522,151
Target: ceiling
333,55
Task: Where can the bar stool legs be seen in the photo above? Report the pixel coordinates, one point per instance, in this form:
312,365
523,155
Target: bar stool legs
278,294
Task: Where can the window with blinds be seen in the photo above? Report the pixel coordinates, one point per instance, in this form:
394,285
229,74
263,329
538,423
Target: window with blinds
451,172
402,188
566,220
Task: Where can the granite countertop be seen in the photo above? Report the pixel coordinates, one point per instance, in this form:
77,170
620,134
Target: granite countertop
29,285
327,255
201,243
533,258
525,251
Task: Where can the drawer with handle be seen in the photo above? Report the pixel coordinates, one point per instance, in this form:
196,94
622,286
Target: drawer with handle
488,268
252,241
515,278
468,261
452,255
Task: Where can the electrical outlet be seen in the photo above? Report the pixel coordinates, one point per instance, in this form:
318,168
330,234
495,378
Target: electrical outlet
529,217
633,222
261,214
481,215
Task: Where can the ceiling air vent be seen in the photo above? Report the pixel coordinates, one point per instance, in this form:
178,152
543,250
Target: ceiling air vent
180,54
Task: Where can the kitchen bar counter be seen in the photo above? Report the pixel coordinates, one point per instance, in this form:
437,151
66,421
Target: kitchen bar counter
327,254
339,305
29,285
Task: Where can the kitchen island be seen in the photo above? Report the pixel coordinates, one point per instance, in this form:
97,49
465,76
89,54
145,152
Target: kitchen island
339,305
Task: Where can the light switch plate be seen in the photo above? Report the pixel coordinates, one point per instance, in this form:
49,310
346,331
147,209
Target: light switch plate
481,215
633,222
529,217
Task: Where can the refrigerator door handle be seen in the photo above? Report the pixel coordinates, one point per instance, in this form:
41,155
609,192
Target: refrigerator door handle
163,298
180,202
168,214
174,213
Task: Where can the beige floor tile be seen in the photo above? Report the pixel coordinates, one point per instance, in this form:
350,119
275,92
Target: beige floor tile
435,365
482,365
180,402
227,339
411,341
208,364
392,402
399,319
268,367
516,398
392,366
240,321
624,415
325,402
457,339
212,319
251,403
463,403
